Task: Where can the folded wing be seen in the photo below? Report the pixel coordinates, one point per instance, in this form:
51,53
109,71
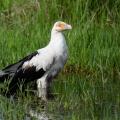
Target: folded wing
30,68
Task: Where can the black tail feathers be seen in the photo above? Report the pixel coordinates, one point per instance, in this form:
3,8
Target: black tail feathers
3,76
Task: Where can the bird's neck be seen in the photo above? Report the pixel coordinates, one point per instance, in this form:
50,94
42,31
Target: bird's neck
57,43
57,38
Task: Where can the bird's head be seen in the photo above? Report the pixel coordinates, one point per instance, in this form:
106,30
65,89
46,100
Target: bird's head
61,26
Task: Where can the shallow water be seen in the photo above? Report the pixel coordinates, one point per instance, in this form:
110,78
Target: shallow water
78,97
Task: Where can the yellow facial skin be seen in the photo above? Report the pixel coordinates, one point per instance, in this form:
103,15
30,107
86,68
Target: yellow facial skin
61,26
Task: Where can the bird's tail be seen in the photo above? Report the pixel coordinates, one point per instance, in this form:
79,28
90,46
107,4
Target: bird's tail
3,76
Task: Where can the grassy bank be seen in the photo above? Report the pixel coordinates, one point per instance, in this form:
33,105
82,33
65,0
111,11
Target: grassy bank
94,51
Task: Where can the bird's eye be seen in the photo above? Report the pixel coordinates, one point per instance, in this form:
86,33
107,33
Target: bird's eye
61,25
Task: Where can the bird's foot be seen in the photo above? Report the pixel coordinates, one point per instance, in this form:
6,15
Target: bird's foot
42,94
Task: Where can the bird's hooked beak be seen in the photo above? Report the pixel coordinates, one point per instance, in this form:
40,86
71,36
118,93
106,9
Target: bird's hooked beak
68,27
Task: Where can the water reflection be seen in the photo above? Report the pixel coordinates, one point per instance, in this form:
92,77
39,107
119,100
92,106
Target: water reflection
42,115
37,115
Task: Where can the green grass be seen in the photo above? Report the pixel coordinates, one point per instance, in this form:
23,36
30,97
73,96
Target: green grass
89,86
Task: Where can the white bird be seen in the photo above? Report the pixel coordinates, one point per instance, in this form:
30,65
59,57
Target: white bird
42,65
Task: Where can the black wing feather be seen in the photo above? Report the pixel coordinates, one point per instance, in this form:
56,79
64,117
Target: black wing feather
16,73
13,67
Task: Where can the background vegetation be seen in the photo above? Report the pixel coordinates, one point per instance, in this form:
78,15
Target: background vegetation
90,83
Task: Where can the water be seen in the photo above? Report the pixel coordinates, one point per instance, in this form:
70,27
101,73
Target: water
37,115
78,97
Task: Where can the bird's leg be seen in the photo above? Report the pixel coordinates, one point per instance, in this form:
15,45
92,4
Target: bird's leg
42,88
49,92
